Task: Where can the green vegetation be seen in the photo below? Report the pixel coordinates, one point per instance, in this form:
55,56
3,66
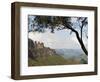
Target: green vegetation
51,60
79,26
39,55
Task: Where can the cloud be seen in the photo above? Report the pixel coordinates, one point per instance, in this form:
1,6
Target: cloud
58,40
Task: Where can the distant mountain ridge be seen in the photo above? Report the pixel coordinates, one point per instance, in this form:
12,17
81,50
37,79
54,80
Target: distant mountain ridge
38,54
71,53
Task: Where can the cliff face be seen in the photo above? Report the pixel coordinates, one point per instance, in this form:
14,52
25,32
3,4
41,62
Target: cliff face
37,49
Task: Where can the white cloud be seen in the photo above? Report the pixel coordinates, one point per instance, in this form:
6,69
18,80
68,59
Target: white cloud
59,39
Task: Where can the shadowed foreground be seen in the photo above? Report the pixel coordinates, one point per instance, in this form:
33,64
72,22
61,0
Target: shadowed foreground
51,60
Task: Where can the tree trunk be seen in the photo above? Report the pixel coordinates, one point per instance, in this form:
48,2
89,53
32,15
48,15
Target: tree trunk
81,43
81,33
78,38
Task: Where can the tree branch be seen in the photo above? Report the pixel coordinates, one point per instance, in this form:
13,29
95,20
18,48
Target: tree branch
78,38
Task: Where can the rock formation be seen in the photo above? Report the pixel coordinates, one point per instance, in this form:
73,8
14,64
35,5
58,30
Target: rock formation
37,49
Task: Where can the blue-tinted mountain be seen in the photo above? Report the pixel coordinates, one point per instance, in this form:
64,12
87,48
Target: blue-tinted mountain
71,53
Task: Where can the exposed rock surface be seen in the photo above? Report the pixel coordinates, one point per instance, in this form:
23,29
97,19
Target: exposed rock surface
37,49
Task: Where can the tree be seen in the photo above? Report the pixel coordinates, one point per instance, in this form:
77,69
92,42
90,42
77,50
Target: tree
60,23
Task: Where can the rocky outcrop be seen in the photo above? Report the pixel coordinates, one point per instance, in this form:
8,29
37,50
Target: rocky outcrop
31,51
37,49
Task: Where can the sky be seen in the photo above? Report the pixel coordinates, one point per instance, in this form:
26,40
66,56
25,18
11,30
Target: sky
61,39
